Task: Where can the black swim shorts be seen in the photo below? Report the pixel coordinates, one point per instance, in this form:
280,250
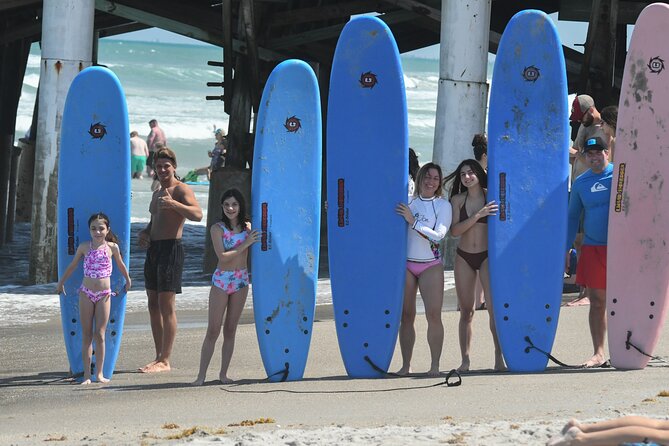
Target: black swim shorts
163,266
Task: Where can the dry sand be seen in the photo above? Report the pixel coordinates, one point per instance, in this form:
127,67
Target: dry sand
325,408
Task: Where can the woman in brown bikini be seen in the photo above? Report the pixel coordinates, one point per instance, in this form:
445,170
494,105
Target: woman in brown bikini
470,223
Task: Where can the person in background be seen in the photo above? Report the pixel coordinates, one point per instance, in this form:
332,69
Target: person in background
428,215
413,171
583,111
139,153
156,136
609,117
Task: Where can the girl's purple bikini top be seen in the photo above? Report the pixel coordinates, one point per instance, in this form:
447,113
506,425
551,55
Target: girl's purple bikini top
97,263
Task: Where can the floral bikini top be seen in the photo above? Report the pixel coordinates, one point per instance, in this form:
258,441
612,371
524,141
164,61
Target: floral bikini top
232,239
97,263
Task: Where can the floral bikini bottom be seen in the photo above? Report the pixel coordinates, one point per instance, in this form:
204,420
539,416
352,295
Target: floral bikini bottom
230,281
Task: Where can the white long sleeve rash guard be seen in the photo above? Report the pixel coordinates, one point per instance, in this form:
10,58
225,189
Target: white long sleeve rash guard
433,218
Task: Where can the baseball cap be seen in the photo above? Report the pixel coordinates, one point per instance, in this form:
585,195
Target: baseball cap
580,105
595,143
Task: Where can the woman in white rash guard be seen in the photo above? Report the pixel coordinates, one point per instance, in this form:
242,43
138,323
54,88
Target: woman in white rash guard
429,216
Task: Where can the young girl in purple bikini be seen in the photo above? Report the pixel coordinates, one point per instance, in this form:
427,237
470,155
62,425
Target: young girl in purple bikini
232,237
95,290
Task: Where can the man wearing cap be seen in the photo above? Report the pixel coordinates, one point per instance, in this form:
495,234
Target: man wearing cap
590,196
583,110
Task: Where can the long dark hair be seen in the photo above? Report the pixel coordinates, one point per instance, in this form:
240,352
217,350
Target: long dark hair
610,116
413,164
421,174
457,186
242,217
111,237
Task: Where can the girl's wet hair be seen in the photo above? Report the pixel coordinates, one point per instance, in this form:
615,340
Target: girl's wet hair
480,145
421,175
111,237
243,217
457,186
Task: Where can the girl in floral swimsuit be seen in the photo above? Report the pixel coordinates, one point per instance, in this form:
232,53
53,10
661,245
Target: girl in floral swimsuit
95,290
231,238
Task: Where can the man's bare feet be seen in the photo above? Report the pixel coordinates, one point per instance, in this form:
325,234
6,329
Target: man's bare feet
198,382
86,382
594,362
464,367
156,367
101,379
404,371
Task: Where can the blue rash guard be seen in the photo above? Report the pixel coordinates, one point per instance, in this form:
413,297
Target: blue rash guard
591,192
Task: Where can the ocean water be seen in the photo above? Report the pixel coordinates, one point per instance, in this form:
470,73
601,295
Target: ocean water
167,82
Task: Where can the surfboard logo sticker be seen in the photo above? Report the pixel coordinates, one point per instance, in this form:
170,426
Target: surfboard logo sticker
502,196
368,80
531,73
97,130
264,245
619,189
293,124
341,212
70,231
656,65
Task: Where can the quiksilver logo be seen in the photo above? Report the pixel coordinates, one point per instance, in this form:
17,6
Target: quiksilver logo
598,187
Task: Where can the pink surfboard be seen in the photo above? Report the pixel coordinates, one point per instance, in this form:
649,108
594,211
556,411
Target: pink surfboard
638,243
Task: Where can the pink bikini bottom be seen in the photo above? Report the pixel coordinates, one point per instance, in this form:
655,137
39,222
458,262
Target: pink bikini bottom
417,268
95,296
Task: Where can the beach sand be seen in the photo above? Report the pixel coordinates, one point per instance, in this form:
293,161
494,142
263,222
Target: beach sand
38,405
325,408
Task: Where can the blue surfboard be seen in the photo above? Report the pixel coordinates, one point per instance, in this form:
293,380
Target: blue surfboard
528,170
367,164
93,176
286,207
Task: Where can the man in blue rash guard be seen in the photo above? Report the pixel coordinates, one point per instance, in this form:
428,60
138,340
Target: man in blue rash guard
591,195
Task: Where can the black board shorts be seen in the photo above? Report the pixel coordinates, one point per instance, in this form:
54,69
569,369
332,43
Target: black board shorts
164,265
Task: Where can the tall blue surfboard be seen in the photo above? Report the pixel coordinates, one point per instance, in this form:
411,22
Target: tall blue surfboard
528,170
286,206
367,165
93,176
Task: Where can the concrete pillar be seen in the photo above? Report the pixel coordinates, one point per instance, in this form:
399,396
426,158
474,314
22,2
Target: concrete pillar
462,99
463,89
67,41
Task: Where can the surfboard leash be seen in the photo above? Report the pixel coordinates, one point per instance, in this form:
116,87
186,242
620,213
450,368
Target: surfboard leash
548,355
628,344
284,373
449,375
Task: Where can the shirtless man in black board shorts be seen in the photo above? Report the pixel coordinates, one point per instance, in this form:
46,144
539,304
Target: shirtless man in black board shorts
170,206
